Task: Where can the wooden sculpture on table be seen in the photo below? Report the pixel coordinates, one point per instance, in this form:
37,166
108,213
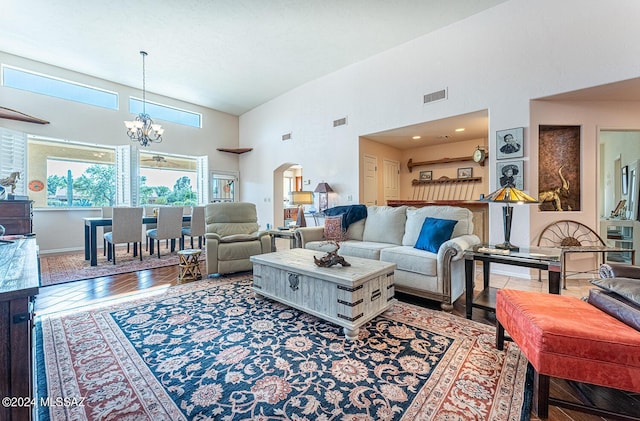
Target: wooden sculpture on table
331,258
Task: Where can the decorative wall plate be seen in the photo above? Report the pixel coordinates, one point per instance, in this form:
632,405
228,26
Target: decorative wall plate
36,185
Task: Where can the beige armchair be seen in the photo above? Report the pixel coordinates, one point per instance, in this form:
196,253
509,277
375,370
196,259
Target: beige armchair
232,237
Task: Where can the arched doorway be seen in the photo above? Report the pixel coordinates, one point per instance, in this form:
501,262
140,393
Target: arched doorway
286,178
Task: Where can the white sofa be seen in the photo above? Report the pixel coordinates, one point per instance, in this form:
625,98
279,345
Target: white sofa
390,233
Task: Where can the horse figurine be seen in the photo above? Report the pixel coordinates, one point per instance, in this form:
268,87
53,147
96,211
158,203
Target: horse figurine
10,181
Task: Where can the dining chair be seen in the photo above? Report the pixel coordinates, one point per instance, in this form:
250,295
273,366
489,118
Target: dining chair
169,227
126,227
148,211
196,226
107,212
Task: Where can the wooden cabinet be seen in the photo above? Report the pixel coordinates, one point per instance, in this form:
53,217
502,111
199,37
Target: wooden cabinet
19,281
290,214
16,216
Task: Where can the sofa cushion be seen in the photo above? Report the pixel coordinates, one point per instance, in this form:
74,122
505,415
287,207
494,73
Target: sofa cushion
355,230
333,227
625,287
385,224
234,238
322,246
239,250
434,232
416,217
363,249
615,306
411,259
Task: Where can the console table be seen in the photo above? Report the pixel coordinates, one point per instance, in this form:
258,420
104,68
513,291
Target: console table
536,258
19,282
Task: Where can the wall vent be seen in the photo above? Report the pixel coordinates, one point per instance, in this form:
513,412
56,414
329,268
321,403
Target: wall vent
435,96
286,136
340,122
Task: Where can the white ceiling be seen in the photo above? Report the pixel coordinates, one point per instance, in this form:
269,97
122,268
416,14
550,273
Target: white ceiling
229,55
435,132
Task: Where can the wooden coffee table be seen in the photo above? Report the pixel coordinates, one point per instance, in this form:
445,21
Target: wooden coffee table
346,296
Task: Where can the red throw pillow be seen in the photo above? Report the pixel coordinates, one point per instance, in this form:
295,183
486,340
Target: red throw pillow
333,227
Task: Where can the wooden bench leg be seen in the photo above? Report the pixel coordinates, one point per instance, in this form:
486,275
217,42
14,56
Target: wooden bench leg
499,336
540,394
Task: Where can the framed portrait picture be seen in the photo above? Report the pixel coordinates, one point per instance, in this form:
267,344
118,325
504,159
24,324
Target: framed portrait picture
510,143
465,172
425,175
625,179
511,173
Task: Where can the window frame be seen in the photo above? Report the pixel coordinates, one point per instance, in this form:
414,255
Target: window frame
57,81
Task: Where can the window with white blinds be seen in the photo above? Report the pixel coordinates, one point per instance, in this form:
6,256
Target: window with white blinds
202,180
75,174
127,178
13,157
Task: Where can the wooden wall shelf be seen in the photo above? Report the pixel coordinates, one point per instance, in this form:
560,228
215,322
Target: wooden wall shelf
412,164
237,151
10,114
446,180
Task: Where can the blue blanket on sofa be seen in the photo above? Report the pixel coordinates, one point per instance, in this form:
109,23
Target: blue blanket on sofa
350,214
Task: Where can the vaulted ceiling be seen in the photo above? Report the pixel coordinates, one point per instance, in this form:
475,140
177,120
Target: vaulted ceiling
229,55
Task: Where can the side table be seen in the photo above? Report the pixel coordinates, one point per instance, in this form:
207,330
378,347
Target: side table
536,258
189,266
288,233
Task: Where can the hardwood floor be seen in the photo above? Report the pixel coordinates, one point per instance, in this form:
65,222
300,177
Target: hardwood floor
66,297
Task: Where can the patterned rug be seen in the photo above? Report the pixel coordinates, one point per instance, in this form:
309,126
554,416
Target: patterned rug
61,268
211,350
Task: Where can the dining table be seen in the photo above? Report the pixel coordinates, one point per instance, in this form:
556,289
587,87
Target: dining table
90,228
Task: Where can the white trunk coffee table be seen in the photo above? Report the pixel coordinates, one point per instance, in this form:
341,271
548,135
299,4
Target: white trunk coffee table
347,296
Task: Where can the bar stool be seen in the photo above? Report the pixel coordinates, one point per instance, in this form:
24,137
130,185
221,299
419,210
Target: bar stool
189,265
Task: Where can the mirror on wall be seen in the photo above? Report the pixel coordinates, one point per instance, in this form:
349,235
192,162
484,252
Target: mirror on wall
619,171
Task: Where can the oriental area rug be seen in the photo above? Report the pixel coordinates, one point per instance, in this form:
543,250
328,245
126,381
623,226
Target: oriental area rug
212,350
61,268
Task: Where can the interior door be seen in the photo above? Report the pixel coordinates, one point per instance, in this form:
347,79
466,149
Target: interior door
370,182
391,179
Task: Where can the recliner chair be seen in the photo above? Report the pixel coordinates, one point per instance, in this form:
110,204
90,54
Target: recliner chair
232,237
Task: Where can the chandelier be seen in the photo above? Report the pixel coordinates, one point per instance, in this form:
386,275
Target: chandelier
143,129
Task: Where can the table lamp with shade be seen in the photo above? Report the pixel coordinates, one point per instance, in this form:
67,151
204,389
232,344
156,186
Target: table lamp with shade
323,189
507,195
301,198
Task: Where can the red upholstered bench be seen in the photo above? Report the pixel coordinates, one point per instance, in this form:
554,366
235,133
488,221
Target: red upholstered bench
568,338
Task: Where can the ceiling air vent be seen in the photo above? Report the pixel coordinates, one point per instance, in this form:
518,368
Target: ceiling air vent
286,136
435,96
340,122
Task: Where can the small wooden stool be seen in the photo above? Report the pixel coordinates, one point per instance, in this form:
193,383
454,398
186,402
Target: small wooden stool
189,266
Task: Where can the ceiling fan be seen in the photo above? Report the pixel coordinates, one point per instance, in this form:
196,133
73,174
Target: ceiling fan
156,160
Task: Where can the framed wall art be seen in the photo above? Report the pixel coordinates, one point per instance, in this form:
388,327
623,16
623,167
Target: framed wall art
465,172
559,168
510,143
511,174
425,175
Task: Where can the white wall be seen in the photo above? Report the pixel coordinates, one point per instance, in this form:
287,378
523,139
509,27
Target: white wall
62,229
498,60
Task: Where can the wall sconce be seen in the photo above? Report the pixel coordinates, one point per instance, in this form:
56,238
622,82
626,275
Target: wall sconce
323,189
301,198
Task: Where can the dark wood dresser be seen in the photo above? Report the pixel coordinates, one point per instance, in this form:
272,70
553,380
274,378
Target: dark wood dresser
16,216
19,282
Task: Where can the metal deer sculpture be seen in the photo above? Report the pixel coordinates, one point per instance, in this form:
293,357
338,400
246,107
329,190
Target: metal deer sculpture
556,195
10,181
